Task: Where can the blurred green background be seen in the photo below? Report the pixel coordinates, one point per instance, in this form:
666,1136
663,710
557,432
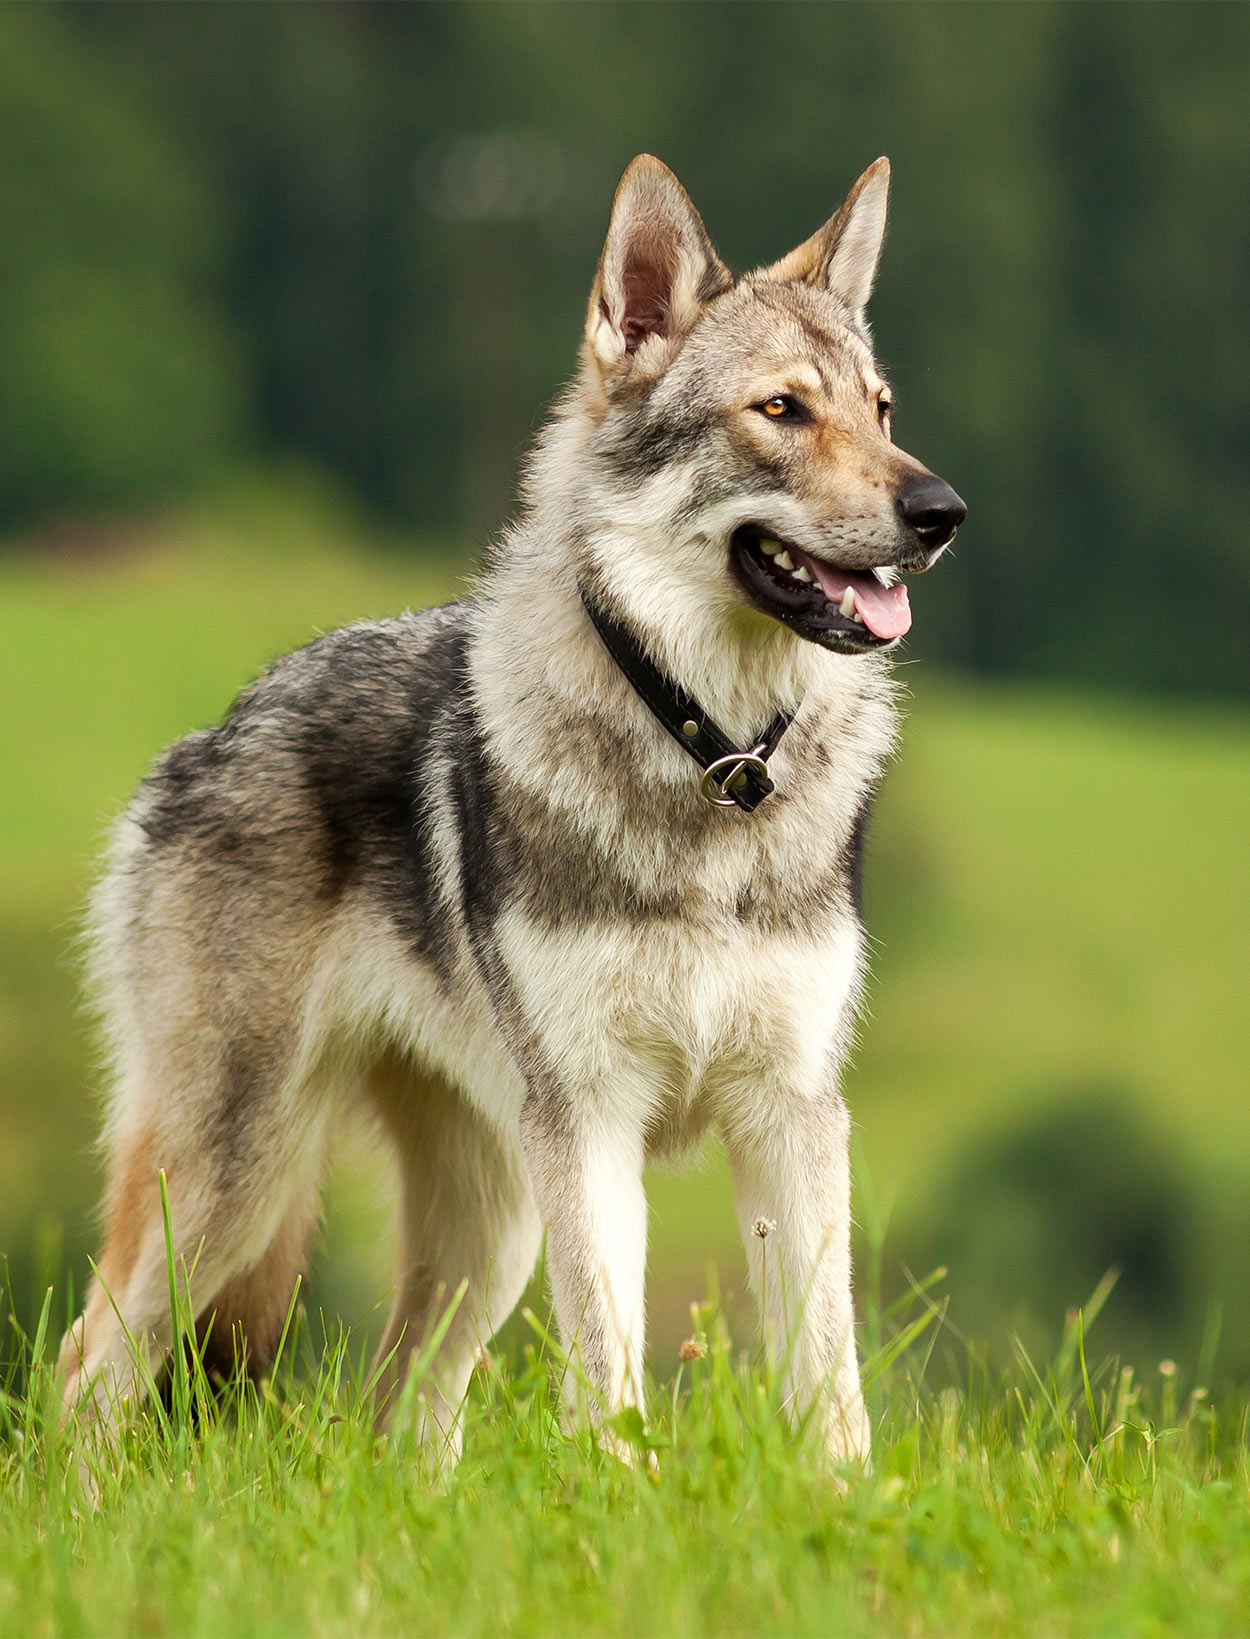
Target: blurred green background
283,291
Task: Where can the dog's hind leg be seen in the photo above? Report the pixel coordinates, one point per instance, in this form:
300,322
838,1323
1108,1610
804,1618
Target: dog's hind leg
248,1315
466,1216
240,1187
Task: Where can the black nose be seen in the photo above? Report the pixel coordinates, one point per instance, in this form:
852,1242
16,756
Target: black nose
933,512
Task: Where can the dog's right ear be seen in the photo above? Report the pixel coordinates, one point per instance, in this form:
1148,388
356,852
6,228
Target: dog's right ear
657,269
842,256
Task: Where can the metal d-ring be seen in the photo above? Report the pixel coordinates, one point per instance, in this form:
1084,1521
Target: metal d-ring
735,765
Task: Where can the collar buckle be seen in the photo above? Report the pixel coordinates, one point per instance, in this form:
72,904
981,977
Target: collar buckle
729,774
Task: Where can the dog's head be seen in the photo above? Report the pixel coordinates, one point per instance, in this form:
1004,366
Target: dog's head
748,420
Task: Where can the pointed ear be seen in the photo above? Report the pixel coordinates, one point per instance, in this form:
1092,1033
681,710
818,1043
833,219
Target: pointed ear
657,269
842,256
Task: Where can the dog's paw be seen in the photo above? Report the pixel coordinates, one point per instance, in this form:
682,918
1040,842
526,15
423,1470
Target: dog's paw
848,1442
627,1439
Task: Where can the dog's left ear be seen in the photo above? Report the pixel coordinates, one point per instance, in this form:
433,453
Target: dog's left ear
657,269
842,256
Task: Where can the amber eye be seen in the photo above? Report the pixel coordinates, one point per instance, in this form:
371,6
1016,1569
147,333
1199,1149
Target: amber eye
782,408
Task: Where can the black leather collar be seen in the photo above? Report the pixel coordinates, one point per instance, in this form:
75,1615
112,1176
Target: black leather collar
731,776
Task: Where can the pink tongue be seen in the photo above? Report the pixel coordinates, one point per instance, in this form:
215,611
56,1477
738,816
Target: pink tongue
883,609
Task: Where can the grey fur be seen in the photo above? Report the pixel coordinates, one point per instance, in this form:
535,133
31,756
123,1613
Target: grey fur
447,867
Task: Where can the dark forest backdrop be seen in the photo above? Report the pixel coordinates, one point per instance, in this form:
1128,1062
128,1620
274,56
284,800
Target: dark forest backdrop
361,234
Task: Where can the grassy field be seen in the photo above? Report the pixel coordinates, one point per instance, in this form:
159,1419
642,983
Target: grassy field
1051,1502
1056,893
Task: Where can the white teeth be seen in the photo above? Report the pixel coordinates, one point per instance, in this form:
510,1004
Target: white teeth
847,605
802,572
783,560
771,547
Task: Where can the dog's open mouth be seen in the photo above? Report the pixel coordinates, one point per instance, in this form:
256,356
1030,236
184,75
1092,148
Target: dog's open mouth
850,612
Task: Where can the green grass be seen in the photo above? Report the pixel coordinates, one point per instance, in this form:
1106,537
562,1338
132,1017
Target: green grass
1056,892
1052,1502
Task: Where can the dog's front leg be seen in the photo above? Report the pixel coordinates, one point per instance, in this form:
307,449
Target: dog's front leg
792,1189
586,1171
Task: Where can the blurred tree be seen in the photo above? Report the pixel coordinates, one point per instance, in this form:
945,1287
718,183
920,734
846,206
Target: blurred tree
119,378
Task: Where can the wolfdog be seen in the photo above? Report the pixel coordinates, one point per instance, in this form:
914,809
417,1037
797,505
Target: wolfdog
550,881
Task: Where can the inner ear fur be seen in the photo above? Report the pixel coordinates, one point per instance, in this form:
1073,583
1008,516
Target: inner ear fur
842,256
657,270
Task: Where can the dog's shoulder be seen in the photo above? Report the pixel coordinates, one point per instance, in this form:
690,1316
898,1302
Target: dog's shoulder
337,726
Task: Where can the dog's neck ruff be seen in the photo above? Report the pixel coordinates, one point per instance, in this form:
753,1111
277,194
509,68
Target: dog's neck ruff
732,777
